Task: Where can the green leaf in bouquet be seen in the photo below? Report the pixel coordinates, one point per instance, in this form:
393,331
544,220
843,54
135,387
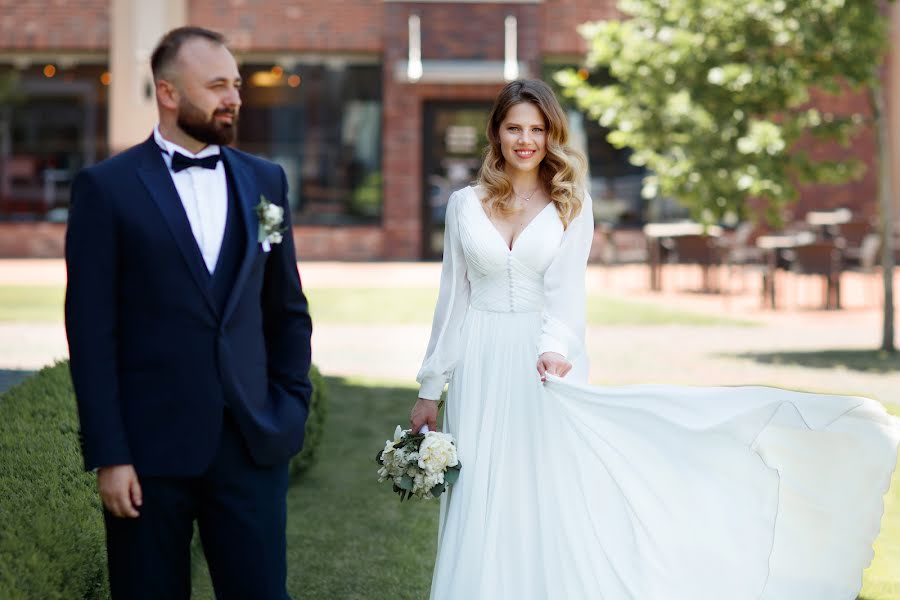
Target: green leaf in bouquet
437,490
452,475
378,458
406,483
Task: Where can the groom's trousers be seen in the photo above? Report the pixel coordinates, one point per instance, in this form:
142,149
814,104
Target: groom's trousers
240,509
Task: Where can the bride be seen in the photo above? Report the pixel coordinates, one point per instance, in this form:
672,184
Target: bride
648,492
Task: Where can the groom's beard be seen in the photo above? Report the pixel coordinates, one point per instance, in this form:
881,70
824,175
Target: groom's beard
193,122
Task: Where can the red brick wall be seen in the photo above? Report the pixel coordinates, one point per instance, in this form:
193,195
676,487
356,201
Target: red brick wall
54,24
32,240
344,243
450,31
326,25
47,240
859,196
559,19
443,31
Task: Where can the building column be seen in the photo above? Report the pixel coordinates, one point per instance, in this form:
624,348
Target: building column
892,94
135,27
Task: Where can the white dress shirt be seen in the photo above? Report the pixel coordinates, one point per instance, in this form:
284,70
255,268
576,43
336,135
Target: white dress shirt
204,195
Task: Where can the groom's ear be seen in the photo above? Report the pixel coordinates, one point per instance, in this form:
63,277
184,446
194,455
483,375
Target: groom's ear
166,94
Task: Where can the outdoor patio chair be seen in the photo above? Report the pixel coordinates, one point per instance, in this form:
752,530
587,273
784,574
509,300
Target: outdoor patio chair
822,259
700,250
850,236
739,252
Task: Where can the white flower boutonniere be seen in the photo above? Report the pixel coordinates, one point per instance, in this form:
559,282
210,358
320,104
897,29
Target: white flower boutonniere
270,218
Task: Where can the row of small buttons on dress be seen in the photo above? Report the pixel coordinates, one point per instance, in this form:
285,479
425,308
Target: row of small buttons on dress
512,288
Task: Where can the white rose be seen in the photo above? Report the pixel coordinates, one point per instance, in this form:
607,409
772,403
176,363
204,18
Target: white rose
437,452
433,479
273,213
388,448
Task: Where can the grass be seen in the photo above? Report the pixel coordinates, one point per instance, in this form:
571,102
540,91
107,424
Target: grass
881,581
370,306
350,538
31,303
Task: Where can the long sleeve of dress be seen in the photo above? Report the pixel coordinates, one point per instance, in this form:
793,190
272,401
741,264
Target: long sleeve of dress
563,318
453,300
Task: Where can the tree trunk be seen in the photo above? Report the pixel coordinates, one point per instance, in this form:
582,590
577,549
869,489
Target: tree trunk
876,97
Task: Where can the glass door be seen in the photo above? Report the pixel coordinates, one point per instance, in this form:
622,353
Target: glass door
453,142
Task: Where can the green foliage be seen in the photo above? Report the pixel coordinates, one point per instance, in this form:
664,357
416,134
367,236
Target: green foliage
51,527
366,199
9,88
315,424
713,95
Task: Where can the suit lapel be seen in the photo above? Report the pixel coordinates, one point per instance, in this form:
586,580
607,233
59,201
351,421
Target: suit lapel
156,178
247,193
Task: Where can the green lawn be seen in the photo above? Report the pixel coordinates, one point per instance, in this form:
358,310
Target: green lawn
369,306
882,578
31,303
350,538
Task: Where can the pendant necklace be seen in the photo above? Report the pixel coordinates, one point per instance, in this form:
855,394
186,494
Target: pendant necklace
525,199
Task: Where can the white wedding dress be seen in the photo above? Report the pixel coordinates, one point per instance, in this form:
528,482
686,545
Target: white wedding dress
648,492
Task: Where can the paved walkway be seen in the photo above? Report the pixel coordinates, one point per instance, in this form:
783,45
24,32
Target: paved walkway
619,355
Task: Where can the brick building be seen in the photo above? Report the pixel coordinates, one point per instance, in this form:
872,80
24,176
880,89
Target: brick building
375,108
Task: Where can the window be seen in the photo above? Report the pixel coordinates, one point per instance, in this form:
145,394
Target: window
53,121
322,123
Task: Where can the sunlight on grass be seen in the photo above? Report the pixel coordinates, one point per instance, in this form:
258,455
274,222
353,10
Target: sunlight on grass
371,306
32,303
881,581
405,306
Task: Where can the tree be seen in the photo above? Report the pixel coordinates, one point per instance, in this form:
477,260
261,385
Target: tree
713,96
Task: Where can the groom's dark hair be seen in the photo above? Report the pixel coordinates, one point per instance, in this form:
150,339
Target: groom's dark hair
167,49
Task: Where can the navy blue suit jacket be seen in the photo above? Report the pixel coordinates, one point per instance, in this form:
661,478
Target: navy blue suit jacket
153,358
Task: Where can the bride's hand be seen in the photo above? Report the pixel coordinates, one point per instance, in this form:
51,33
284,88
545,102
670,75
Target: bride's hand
554,364
424,413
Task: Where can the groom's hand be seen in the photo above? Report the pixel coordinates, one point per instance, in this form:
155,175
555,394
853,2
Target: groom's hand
553,363
424,413
120,490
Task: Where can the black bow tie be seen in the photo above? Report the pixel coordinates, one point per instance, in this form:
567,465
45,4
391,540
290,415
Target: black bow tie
180,162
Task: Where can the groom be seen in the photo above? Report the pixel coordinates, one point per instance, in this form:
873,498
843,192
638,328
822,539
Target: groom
189,339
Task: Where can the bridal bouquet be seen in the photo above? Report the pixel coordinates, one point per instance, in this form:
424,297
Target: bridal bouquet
422,465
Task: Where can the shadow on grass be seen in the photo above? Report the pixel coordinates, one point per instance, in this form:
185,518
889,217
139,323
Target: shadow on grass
12,377
868,361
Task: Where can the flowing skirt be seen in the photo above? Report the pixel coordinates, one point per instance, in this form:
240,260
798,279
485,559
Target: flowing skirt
651,492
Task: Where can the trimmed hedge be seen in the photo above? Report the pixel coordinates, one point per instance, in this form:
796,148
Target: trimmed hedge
52,542
315,424
51,527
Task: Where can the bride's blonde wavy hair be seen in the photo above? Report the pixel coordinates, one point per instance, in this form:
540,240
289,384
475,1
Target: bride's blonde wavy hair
562,170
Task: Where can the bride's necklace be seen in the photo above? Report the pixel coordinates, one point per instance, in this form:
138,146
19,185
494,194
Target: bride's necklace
525,199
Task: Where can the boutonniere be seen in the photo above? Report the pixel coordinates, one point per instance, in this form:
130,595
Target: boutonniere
270,218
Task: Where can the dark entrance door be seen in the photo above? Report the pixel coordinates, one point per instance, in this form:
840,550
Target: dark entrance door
453,142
